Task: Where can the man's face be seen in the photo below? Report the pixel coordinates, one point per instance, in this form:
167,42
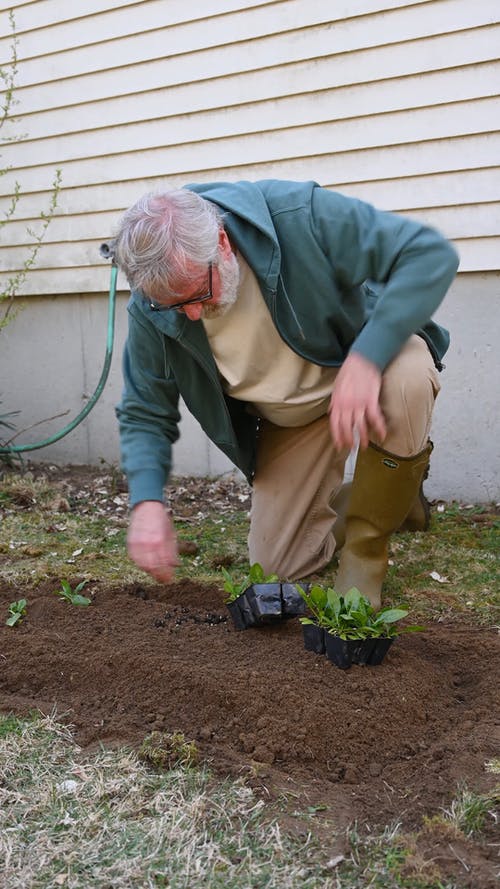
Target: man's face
221,281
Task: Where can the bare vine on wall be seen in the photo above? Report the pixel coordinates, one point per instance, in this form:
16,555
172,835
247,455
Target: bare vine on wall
10,288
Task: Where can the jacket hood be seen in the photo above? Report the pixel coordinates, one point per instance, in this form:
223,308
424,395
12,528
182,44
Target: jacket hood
249,224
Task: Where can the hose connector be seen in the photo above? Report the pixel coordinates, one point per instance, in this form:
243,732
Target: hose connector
107,250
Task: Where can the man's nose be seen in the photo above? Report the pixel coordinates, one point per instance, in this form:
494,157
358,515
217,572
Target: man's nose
193,312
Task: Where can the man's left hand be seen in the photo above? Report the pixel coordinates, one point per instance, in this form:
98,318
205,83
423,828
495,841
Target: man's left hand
354,406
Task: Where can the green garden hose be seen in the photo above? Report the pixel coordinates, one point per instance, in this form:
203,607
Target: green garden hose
18,449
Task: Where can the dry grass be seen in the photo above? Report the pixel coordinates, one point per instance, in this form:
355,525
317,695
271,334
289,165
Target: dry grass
107,820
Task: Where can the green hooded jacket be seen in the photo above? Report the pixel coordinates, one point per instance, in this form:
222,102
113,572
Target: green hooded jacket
337,276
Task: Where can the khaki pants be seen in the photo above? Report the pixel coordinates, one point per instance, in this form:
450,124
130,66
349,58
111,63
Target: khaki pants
299,471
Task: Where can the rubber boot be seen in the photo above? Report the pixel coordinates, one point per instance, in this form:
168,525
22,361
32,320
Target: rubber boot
339,504
419,516
384,488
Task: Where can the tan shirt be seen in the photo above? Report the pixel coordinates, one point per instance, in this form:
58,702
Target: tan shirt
258,367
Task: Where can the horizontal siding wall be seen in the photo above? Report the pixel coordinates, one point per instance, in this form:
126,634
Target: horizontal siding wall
397,103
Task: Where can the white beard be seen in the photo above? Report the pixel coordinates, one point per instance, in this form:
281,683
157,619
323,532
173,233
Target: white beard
229,274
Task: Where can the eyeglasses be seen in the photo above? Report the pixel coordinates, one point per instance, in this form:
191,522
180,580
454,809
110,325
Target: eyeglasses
158,307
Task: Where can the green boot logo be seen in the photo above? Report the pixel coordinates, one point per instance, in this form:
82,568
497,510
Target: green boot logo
391,464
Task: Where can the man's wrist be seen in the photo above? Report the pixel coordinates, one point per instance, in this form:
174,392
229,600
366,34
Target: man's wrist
147,504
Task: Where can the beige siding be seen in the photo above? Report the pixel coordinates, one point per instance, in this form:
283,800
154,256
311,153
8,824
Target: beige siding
397,103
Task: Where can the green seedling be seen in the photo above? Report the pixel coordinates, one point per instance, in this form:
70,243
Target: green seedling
235,588
73,595
17,610
352,616
169,750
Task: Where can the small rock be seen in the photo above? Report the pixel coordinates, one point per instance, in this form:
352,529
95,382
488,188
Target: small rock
68,786
334,862
205,733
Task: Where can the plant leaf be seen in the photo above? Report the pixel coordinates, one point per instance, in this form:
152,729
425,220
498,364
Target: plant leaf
76,599
351,598
391,615
256,573
13,619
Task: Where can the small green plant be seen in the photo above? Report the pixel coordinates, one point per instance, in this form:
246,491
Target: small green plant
169,750
17,610
71,595
352,616
470,811
235,588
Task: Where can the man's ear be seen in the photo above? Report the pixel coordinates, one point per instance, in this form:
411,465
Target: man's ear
224,244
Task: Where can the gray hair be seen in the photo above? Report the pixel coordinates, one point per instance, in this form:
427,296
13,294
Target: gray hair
161,235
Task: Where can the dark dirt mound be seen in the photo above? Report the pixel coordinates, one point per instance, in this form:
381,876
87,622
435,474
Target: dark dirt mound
373,743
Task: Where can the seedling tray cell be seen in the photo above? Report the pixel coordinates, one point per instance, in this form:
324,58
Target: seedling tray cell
340,651
265,601
363,652
379,651
241,613
292,602
314,638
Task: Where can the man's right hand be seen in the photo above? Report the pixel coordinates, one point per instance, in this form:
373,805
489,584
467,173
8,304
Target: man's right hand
151,540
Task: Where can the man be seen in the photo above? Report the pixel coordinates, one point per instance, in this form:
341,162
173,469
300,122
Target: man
295,323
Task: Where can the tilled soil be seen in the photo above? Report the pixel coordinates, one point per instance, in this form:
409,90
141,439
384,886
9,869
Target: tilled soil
373,744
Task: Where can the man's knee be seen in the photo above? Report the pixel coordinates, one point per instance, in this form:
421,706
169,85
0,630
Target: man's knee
409,389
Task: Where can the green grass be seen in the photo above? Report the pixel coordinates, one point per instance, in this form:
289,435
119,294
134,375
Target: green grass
42,531
462,546
44,526
385,862
470,812
9,724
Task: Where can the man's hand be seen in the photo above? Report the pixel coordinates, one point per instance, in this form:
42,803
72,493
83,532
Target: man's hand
151,540
354,405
